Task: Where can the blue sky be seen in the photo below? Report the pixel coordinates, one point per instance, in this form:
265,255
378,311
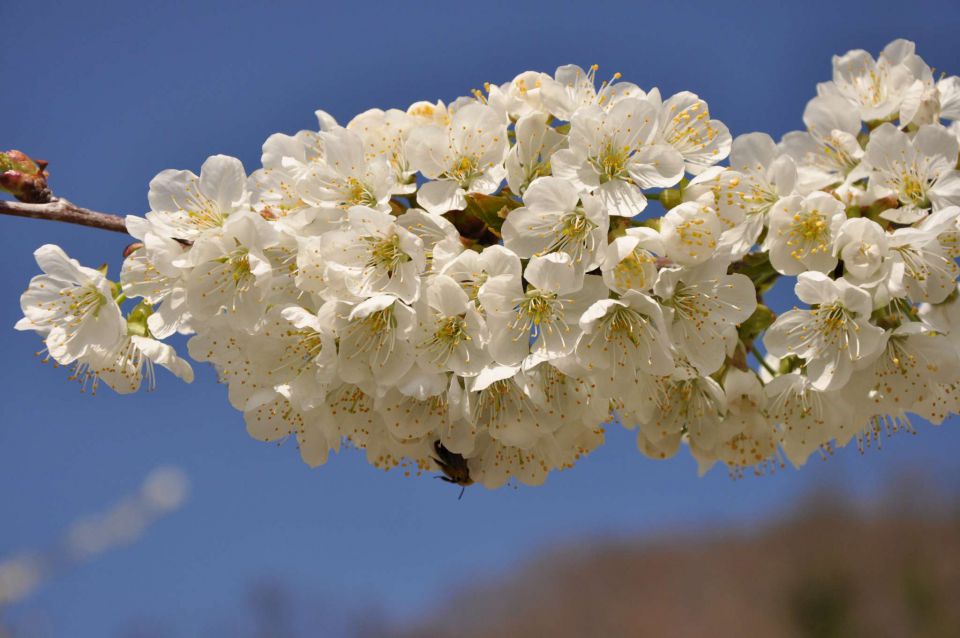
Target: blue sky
111,93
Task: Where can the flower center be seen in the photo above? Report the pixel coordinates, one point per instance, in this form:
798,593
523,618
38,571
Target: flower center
809,234
449,334
538,310
612,161
625,323
374,333
572,234
632,271
359,194
913,189
464,170
385,254
304,346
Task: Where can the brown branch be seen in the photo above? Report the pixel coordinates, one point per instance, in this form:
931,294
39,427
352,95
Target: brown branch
61,210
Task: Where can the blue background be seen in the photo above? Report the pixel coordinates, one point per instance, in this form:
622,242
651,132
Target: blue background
112,93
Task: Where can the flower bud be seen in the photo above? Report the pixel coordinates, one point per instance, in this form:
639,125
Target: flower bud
24,178
132,248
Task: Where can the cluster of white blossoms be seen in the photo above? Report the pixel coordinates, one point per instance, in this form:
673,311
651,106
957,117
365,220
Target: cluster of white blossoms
480,284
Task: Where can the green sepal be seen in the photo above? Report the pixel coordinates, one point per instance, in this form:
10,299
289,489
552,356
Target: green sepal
757,267
137,319
492,210
790,363
761,319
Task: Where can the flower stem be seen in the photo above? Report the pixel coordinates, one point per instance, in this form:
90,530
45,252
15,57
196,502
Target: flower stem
760,359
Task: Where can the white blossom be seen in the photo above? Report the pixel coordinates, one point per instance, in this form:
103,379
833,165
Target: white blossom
71,305
920,172
613,154
464,157
346,176
834,337
802,232
556,217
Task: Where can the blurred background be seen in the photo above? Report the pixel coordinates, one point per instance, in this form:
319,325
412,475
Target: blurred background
113,92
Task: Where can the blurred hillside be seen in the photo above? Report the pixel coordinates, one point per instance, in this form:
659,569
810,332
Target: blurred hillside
830,571
835,568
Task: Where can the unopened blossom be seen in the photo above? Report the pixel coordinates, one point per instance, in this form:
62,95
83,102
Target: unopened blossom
862,246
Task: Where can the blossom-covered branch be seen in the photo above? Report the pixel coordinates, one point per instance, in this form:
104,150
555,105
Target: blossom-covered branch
478,287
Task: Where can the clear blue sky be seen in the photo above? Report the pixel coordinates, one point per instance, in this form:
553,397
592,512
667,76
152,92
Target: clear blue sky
113,92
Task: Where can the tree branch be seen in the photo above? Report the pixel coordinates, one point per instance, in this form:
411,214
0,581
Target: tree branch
62,210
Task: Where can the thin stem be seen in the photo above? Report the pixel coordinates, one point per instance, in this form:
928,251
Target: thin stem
62,210
761,360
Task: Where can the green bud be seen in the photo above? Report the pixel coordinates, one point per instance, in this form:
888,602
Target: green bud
24,178
790,363
137,320
670,197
